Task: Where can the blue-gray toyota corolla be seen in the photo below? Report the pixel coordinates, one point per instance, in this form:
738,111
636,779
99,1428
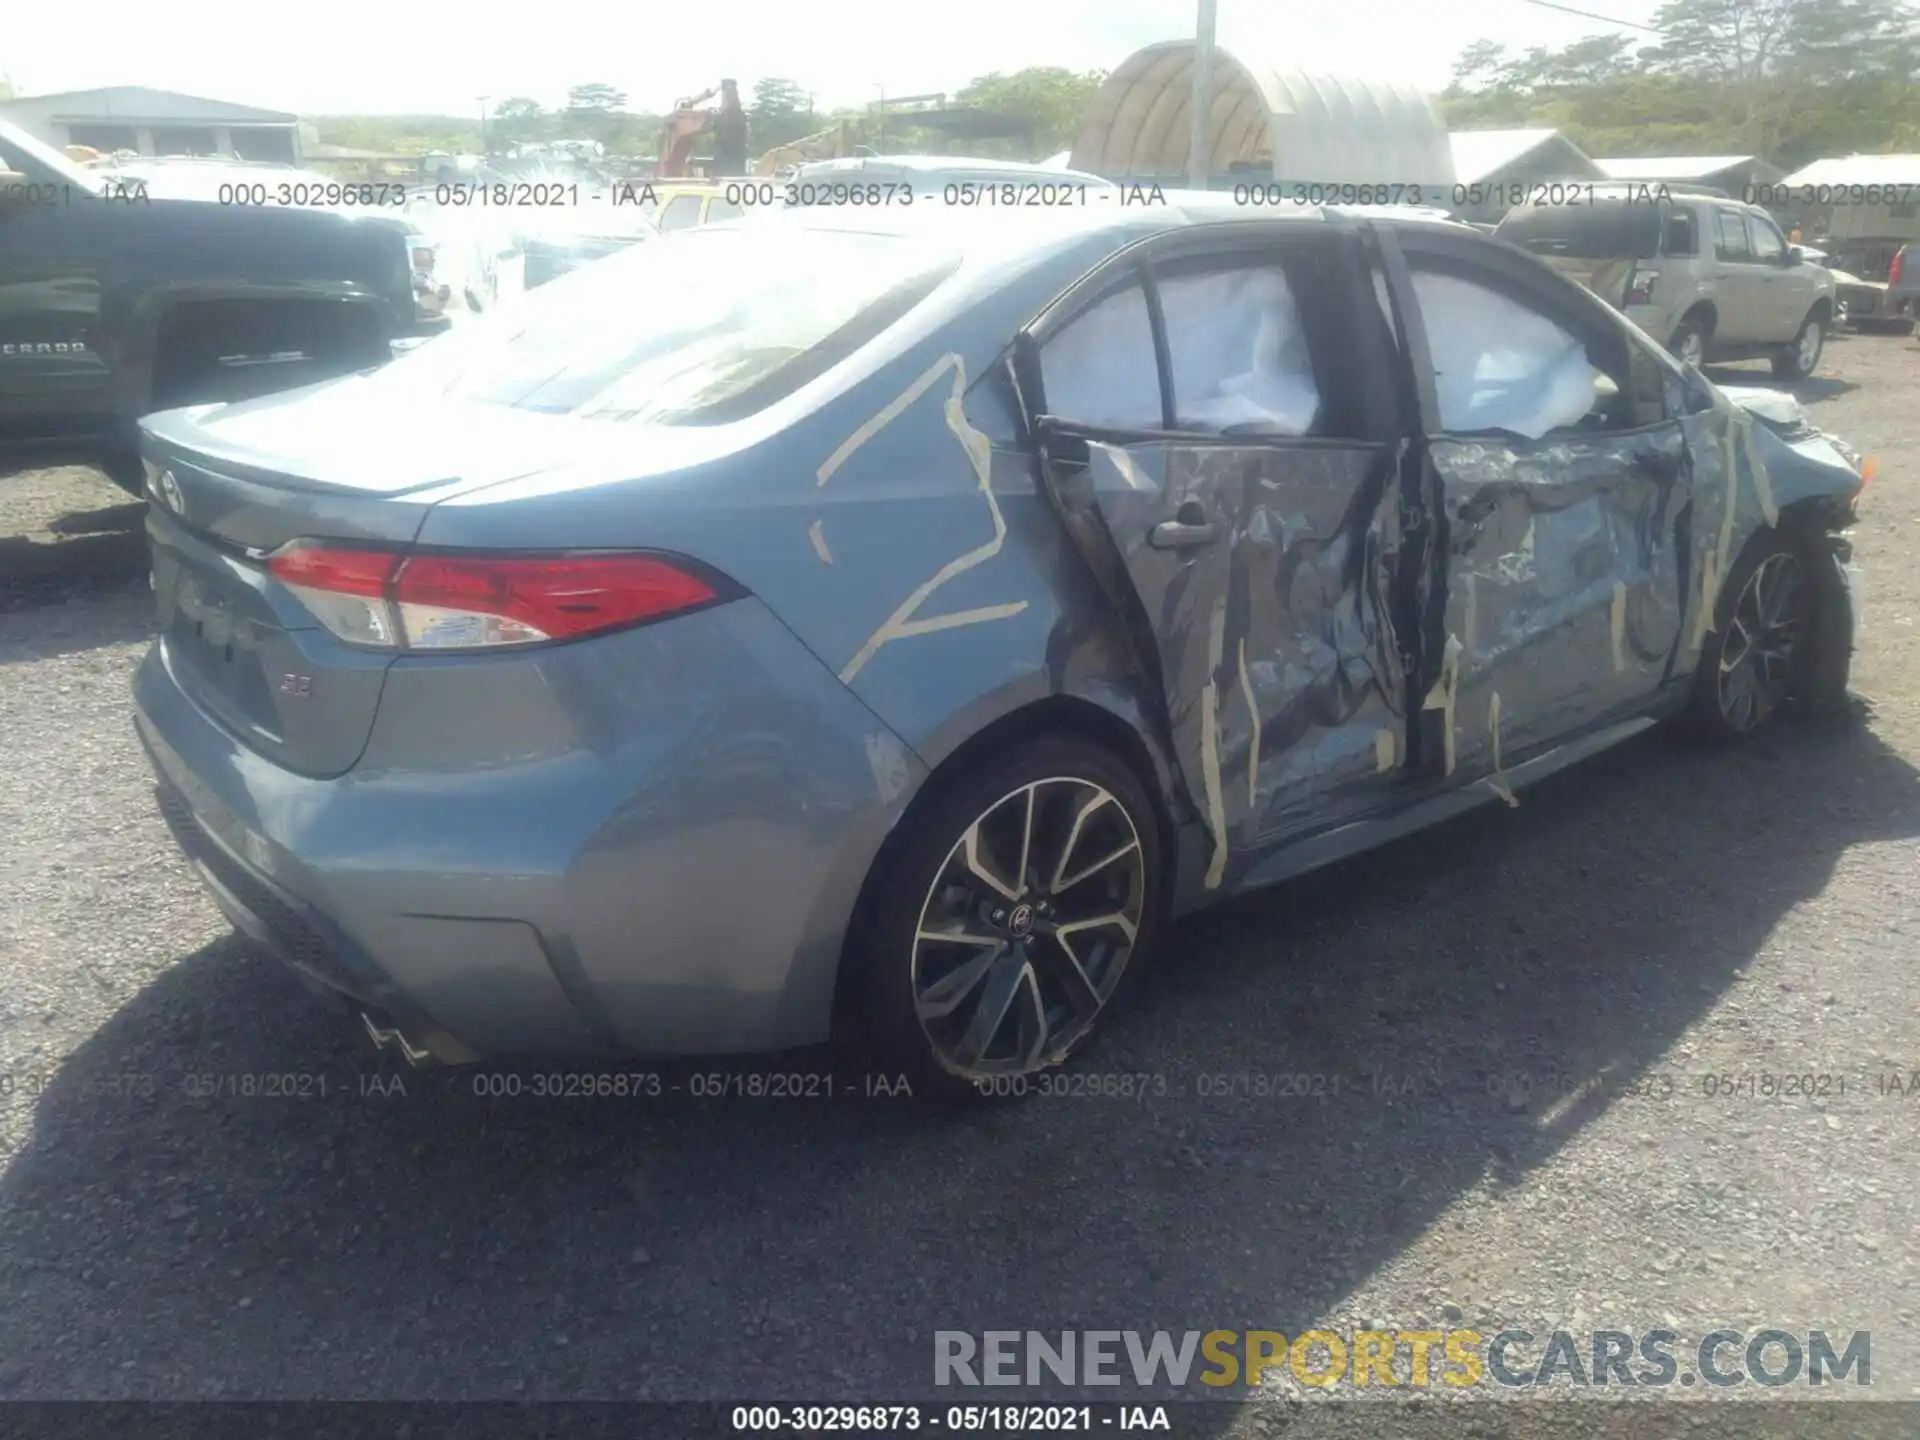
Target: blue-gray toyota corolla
877,625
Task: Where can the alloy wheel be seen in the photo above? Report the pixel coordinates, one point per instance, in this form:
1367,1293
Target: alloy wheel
1756,662
1027,928
1807,352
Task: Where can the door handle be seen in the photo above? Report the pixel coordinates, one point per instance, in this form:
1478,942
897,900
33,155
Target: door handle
1181,534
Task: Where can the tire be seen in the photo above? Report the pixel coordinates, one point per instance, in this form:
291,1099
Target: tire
927,886
122,466
1715,712
1692,333
1802,357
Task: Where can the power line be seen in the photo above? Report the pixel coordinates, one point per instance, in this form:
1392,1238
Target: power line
1589,15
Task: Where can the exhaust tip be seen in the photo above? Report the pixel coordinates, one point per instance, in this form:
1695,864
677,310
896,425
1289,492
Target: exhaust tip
432,1047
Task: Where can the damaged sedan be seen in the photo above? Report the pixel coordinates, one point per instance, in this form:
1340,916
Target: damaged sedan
877,626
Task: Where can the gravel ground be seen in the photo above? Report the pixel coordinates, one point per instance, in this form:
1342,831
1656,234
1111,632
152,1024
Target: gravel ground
1658,913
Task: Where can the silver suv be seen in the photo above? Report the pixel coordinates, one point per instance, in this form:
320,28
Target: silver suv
1709,276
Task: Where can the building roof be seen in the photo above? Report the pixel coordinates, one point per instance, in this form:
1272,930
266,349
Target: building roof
1299,127
1481,154
1674,167
137,102
1901,170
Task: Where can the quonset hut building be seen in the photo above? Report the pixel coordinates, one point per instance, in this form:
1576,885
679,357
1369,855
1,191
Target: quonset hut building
1269,124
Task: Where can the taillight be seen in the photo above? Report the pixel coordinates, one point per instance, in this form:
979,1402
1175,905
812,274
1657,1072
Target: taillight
1640,286
1893,270
422,257
464,602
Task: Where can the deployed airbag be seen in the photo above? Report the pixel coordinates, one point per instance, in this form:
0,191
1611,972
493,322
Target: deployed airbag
1499,365
1239,353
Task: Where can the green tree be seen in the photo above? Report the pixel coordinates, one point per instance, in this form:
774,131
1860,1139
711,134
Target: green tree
598,112
1787,79
518,121
1052,99
780,113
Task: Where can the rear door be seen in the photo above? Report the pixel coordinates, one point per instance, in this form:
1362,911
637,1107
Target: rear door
1213,431
1563,483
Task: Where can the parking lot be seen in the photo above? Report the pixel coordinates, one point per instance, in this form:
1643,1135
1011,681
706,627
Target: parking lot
1524,1019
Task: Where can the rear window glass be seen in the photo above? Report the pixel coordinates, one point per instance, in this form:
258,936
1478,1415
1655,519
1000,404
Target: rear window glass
1605,230
704,327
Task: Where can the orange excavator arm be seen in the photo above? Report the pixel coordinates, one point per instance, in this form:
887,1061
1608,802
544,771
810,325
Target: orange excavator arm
684,126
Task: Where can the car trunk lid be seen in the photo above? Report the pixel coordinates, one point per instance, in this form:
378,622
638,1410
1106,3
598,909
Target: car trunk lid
226,494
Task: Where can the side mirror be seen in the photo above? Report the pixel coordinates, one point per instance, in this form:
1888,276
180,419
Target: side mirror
1795,256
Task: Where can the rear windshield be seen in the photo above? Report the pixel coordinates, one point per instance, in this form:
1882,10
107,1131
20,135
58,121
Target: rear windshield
1604,230
703,327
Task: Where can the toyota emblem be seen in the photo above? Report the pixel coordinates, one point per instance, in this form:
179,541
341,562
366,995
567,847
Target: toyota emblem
168,489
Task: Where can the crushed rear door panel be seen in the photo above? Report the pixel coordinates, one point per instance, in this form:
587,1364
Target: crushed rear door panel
1275,643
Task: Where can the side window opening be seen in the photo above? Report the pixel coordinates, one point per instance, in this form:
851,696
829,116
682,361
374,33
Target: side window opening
720,208
1503,365
681,212
1238,351
1681,241
1100,369
1768,244
1731,235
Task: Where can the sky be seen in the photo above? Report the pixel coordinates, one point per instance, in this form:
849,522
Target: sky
375,57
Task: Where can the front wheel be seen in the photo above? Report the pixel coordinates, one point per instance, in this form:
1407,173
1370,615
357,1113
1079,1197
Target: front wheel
1762,640
1798,360
1689,342
1008,918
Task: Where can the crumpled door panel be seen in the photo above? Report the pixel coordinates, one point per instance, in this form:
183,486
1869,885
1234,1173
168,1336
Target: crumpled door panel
1565,565
1275,642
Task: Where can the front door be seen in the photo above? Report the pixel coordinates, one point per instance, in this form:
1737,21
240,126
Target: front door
1212,440
1563,481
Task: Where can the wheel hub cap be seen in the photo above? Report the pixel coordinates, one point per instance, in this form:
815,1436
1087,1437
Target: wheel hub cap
1027,928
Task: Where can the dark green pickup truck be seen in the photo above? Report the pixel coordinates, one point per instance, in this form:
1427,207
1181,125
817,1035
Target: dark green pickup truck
115,303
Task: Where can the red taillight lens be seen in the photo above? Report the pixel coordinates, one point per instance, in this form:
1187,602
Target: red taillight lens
461,602
422,258
1640,286
1893,270
454,601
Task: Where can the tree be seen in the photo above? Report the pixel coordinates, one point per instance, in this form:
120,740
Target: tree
780,113
1052,99
598,112
1787,79
519,121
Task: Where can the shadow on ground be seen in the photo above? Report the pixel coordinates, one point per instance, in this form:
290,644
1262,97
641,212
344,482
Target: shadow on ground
441,1244
91,550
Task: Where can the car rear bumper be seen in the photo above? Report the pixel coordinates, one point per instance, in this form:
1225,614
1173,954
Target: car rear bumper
542,854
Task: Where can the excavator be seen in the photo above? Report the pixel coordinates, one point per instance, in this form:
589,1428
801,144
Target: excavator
828,144
688,121
681,132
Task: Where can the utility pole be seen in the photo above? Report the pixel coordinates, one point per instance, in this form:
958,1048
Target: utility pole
485,149
1200,149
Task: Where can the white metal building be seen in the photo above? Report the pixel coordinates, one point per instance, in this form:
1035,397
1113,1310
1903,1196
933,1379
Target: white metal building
1731,173
1860,196
1268,123
157,122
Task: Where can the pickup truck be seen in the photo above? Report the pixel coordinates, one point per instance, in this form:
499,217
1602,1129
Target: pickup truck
116,302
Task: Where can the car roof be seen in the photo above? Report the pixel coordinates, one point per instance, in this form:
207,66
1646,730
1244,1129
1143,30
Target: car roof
932,165
1009,233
